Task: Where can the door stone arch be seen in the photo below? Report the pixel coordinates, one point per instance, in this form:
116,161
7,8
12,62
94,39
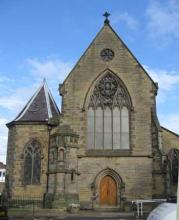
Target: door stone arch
112,177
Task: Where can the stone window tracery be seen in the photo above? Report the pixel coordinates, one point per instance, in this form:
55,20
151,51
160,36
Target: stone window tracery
32,163
107,54
108,115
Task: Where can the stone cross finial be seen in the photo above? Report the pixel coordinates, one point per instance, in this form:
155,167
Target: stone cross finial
106,15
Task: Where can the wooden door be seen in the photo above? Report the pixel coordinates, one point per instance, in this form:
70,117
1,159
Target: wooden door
108,191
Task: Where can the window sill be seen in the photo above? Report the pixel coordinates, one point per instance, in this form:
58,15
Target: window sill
108,153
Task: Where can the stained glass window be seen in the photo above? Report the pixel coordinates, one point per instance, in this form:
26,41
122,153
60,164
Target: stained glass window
108,115
32,163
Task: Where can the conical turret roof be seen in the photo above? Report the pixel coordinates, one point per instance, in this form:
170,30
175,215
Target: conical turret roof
41,106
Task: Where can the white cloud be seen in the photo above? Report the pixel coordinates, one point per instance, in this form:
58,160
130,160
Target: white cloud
3,80
3,121
17,98
168,87
13,100
130,21
10,102
50,68
54,70
167,80
170,121
163,20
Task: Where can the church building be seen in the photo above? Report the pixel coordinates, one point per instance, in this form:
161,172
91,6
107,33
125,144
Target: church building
105,147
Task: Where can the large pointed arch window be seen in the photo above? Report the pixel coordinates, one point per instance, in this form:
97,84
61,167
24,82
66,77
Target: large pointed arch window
32,163
108,115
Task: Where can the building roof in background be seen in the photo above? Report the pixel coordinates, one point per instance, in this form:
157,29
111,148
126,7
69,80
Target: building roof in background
2,165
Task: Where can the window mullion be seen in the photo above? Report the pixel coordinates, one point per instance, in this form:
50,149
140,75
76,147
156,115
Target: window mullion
112,126
94,128
32,169
120,128
103,128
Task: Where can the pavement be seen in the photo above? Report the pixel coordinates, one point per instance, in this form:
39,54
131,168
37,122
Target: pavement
81,215
72,218
77,218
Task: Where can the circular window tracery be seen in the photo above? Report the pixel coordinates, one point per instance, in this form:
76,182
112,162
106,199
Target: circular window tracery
107,54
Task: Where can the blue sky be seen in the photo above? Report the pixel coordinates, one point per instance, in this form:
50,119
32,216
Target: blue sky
45,38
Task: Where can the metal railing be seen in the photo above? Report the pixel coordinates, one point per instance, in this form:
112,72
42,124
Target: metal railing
24,202
32,204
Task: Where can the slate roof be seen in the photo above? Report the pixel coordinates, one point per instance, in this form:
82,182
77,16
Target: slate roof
40,107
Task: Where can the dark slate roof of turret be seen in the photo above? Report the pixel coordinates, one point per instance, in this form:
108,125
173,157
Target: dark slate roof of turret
40,107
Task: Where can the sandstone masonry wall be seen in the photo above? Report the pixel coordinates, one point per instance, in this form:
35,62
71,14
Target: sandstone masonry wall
19,136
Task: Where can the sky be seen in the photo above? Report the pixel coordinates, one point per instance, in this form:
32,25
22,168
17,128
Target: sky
45,38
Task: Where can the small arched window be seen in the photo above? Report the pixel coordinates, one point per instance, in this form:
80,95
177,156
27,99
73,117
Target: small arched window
32,163
61,154
108,115
173,157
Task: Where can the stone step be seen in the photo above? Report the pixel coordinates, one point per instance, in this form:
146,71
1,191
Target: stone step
107,209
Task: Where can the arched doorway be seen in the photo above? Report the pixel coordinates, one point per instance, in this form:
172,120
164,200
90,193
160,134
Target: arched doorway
108,191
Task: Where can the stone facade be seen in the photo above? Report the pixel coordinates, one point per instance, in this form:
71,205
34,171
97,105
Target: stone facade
19,136
70,172
169,139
